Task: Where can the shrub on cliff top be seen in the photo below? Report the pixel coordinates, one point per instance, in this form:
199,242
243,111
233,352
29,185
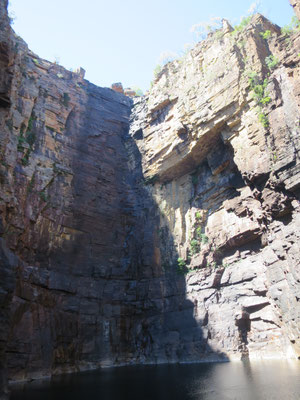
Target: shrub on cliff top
202,28
167,56
243,24
157,70
292,27
138,91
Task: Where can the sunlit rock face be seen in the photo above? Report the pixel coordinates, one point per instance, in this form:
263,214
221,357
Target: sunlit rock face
101,195
224,167
296,5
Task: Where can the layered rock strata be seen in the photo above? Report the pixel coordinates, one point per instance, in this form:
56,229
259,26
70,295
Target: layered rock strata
159,229
220,145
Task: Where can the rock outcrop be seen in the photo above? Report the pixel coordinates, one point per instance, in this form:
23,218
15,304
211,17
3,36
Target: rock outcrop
296,5
220,144
163,228
117,87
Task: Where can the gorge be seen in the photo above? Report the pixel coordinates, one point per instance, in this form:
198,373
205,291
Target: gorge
158,229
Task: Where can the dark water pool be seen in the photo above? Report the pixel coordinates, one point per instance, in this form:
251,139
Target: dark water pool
214,381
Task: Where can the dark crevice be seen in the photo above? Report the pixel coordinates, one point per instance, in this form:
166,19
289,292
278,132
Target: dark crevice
252,309
252,246
243,324
138,135
5,102
237,282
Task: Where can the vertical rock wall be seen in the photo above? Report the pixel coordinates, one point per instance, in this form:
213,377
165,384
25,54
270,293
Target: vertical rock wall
220,146
87,282
67,212
8,262
100,197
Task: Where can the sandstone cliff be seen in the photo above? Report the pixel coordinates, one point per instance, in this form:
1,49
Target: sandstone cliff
101,195
220,144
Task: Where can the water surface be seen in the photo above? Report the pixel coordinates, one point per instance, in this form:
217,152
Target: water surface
212,381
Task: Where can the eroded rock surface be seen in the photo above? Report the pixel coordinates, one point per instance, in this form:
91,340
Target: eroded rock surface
101,194
224,166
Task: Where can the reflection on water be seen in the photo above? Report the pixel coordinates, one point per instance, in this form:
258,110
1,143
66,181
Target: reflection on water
264,380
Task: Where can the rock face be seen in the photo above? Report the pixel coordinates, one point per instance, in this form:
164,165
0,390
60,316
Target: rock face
101,195
228,186
296,5
8,262
6,57
117,87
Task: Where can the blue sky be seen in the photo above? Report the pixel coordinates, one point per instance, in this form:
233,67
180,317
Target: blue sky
121,40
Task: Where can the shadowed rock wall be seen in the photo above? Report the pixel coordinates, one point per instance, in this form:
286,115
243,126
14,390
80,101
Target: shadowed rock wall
81,227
